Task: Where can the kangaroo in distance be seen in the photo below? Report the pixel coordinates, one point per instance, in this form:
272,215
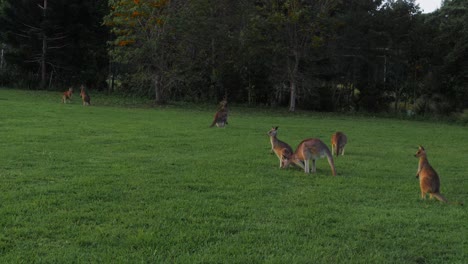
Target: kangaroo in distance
221,116
338,143
85,96
310,149
280,148
67,95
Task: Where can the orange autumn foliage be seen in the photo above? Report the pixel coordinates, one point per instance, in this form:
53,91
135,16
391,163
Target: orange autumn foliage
124,43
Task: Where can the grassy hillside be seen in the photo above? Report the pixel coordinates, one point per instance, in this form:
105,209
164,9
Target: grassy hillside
132,185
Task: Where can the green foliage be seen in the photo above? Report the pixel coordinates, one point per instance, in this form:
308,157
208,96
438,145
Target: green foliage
119,184
453,45
142,40
75,50
326,55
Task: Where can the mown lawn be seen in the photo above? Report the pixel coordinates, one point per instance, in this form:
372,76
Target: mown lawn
117,184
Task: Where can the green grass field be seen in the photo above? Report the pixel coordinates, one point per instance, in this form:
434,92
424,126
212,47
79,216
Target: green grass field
114,183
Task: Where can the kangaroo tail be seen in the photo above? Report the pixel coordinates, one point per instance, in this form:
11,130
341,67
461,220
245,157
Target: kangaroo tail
330,161
215,118
440,197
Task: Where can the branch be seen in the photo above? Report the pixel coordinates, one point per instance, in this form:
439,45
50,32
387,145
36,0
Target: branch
57,38
29,26
58,47
21,35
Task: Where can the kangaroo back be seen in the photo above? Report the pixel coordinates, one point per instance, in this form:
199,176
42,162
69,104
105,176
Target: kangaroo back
220,118
313,149
325,152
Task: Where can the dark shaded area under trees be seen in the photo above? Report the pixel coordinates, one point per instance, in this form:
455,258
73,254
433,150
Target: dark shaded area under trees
323,55
53,44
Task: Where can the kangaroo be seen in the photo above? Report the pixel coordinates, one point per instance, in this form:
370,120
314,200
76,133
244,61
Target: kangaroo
85,96
428,178
280,148
221,116
338,142
67,95
310,149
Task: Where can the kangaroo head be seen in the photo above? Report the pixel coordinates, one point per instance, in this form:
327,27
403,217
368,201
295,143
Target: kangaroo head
273,131
82,90
421,152
287,158
223,104
291,159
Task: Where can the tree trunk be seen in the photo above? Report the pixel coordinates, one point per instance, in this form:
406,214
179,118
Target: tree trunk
110,87
1,59
44,49
293,82
43,61
292,95
158,99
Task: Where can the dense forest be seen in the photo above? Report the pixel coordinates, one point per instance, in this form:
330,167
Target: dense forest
323,55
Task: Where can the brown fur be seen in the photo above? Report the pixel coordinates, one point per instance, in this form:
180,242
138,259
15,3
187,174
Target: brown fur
338,142
280,148
85,96
221,116
428,178
310,149
67,95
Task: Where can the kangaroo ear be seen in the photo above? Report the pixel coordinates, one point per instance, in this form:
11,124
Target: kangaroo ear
421,147
276,128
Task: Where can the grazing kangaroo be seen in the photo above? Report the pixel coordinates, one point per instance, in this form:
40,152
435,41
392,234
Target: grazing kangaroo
67,95
280,148
310,149
428,178
85,96
221,116
338,142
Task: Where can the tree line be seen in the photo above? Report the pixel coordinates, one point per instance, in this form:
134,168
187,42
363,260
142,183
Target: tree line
323,55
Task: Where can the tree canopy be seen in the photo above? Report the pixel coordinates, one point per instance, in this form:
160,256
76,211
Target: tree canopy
58,42
324,55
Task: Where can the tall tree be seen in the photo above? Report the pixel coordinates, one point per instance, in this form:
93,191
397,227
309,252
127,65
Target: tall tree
296,28
142,32
56,39
453,43
397,20
208,49
27,29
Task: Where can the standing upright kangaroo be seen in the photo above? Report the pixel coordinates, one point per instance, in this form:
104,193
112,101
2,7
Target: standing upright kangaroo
338,142
310,149
67,95
85,96
428,178
280,148
221,116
